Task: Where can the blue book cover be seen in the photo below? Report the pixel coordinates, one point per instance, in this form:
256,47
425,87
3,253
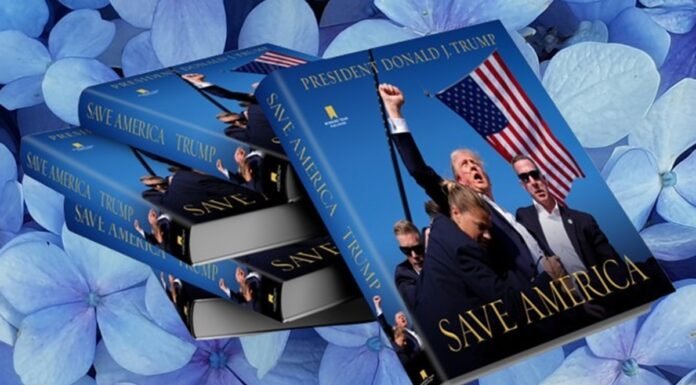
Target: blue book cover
465,207
191,215
202,114
254,282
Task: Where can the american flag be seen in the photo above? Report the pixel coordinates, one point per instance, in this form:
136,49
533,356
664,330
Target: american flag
492,101
268,62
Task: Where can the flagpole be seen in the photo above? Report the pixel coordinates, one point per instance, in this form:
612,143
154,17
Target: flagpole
390,142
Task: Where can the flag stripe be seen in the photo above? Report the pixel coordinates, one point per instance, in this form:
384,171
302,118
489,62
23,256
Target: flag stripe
518,131
497,60
525,127
285,58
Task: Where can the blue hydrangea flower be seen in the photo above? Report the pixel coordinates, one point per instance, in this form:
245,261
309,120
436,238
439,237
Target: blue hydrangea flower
626,24
602,90
29,16
11,198
627,354
223,361
689,379
528,372
297,28
10,377
177,32
680,62
44,204
670,241
413,18
644,172
65,295
33,73
363,351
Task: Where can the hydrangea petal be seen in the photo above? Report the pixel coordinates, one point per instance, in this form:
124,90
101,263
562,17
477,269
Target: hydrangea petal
666,337
12,214
527,51
44,204
21,56
632,176
338,12
685,172
8,165
675,20
66,79
361,363
7,371
681,60
666,3
162,311
429,17
581,367
22,92
35,275
86,380
32,236
109,372
37,119
186,31
9,313
615,342
29,16
93,38
675,208
350,335
80,4
641,377
668,129
367,34
56,345
670,241
297,29
602,10
689,379
124,33
595,31
138,14
134,340
635,28
263,350
139,56
531,371
8,333
602,90
106,270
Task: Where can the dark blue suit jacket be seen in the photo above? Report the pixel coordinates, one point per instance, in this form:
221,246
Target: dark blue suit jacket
508,250
406,278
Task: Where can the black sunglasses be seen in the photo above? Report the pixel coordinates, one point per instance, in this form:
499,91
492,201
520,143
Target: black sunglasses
524,177
419,249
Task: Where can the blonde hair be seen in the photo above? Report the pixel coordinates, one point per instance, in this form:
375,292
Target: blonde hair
463,197
458,151
405,227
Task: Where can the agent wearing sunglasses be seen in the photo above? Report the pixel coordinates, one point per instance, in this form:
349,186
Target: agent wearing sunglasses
407,272
574,235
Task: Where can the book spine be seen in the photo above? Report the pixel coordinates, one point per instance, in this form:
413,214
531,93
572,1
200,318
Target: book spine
372,276
172,137
82,182
113,232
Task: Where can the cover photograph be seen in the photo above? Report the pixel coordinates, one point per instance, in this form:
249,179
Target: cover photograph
466,209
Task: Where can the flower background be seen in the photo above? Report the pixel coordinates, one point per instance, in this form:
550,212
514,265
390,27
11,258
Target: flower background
72,312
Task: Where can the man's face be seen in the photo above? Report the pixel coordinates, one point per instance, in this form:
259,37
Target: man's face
476,223
400,320
411,246
532,181
469,172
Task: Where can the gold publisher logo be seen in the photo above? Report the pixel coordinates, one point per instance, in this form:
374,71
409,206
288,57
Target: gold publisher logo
271,298
179,240
331,112
145,92
274,176
78,146
423,374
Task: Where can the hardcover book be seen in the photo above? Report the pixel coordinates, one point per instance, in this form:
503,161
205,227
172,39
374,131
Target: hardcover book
203,114
191,215
466,209
252,287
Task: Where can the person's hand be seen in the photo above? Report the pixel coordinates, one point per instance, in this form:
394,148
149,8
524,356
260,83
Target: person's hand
393,99
223,285
553,266
193,78
377,300
220,166
136,224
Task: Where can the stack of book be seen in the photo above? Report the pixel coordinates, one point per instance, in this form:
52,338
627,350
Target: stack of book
180,169
372,137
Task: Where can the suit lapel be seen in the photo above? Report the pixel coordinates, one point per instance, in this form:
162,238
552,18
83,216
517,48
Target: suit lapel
571,229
